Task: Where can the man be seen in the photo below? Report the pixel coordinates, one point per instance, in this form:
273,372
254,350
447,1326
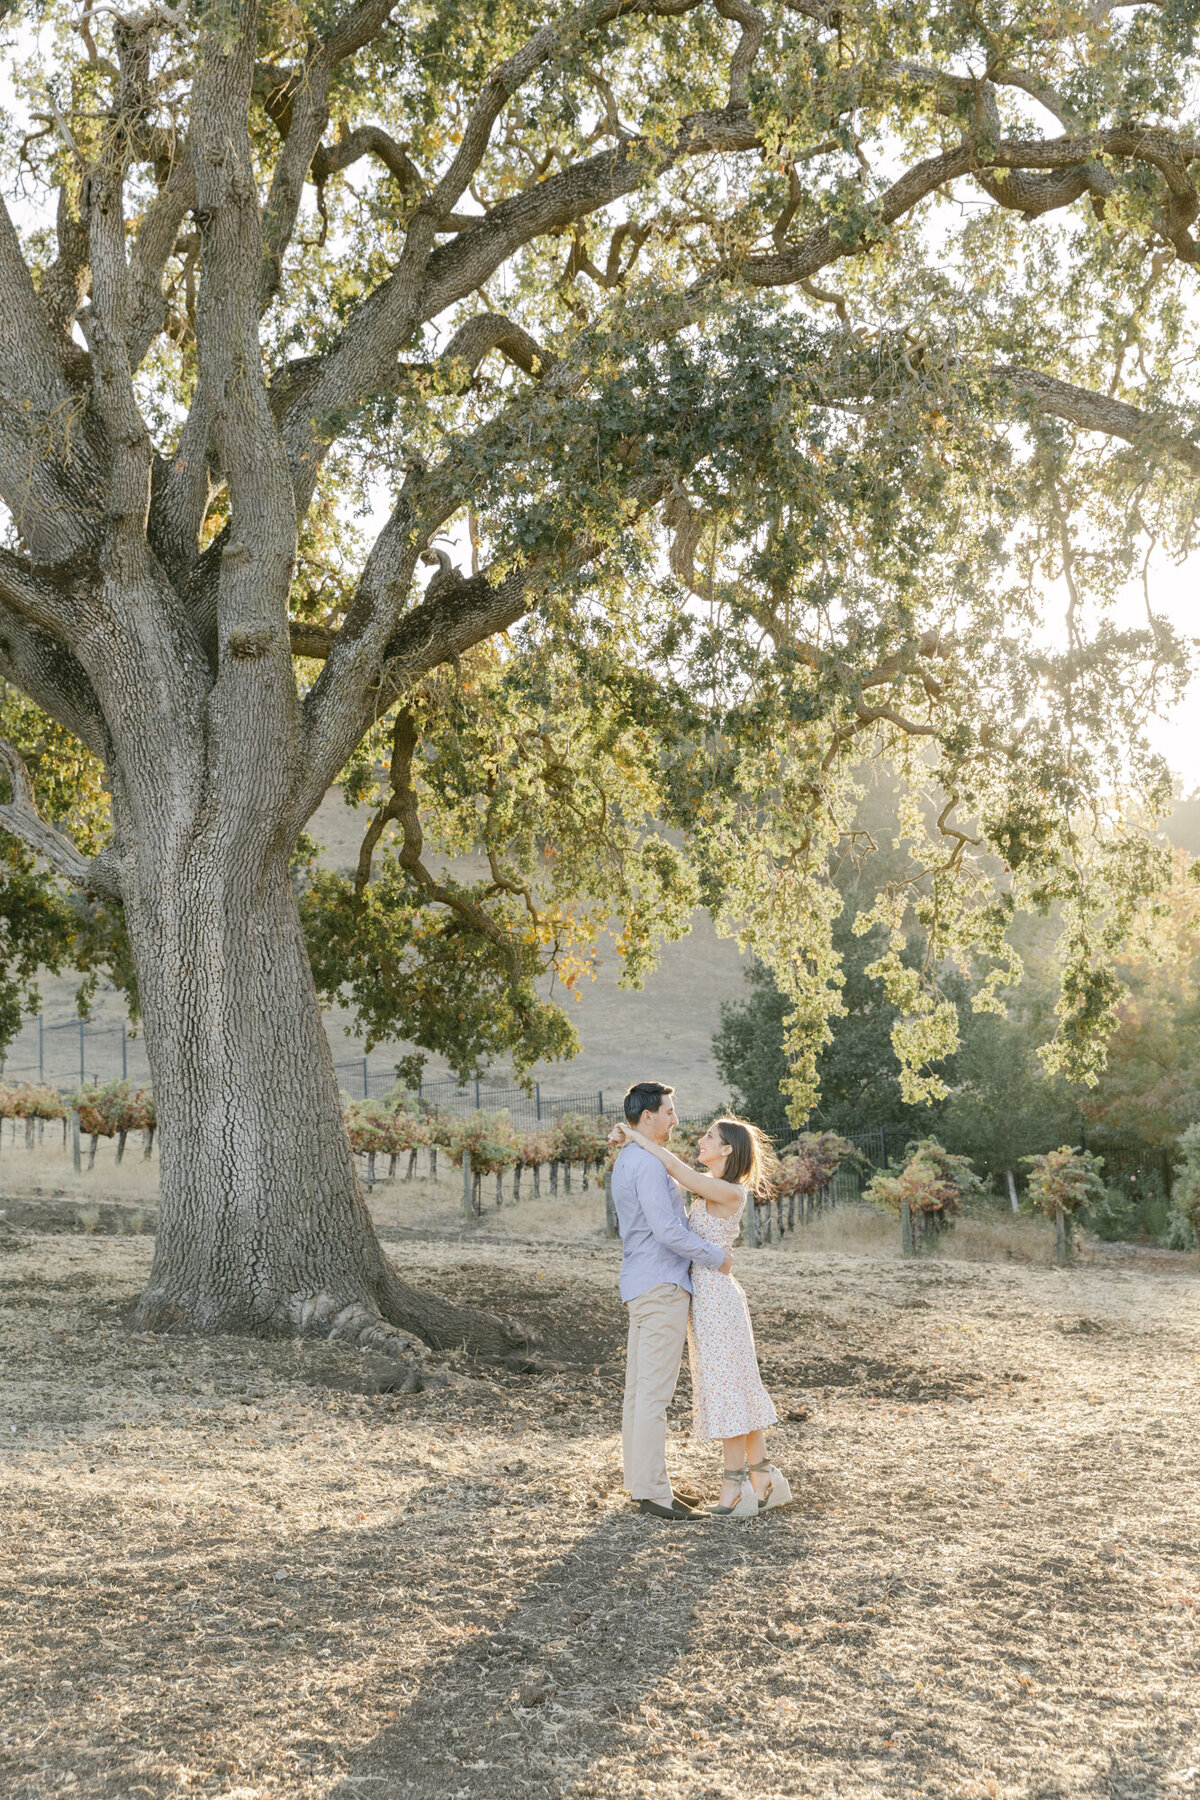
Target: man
658,1248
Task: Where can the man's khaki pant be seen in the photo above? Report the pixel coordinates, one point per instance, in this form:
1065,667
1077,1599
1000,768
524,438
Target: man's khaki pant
657,1333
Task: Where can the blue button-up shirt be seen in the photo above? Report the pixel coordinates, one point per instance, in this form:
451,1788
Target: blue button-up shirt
657,1242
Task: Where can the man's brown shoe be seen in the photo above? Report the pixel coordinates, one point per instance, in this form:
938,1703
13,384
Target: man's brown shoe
675,1514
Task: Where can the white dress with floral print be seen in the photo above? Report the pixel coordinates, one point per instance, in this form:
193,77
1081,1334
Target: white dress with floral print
728,1397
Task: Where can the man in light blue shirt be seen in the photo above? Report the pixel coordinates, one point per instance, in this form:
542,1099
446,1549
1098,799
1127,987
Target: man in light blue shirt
658,1248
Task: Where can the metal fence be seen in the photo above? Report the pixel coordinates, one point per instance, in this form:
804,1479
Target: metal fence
364,1080
66,1052
1139,1168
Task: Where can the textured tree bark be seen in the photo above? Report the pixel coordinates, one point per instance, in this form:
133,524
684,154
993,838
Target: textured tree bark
262,1224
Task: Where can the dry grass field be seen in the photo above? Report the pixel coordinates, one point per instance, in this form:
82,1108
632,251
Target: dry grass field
233,1569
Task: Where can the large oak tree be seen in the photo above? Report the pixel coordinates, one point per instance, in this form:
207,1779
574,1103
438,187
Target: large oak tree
772,369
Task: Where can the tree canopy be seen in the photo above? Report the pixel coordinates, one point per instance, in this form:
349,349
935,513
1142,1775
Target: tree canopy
589,433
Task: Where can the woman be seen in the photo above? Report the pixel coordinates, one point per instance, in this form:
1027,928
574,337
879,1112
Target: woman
728,1397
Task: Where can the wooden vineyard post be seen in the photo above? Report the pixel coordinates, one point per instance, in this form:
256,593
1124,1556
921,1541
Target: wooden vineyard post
76,1157
906,1229
468,1186
752,1233
610,1210
1062,1245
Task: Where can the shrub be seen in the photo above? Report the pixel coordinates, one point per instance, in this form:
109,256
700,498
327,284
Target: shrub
534,1148
1185,1194
1062,1184
683,1144
368,1126
577,1139
1064,1180
488,1136
810,1162
1113,1216
1179,1234
114,1109
933,1181
31,1100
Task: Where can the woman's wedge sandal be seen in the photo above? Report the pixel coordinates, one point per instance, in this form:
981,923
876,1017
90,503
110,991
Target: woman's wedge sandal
778,1492
745,1506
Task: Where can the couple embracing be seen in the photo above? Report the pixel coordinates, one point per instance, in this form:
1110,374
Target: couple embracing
677,1284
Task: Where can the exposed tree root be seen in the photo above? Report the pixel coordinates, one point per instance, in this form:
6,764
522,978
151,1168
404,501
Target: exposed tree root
445,1326
404,1324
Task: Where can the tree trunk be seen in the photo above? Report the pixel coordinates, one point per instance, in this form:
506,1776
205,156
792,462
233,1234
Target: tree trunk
262,1224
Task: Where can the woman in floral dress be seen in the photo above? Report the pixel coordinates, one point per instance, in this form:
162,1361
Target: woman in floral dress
729,1400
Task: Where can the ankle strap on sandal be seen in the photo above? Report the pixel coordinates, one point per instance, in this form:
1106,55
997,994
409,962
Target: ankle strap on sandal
762,1468
742,1474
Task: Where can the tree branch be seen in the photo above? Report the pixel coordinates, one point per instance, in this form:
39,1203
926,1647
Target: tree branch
1098,412
402,809
362,360
824,245
483,332
48,478
41,666
103,209
367,140
355,688
20,816
301,108
152,248
66,281
257,556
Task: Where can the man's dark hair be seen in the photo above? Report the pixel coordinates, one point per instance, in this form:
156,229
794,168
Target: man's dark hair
643,1097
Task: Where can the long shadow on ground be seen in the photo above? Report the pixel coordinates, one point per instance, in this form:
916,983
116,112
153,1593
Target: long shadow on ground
526,1705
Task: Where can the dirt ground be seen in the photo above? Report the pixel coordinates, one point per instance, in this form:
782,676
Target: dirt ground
229,1568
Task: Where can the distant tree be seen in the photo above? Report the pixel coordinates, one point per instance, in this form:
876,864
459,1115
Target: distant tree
1001,1104
857,1078
1150,1084
1004,1104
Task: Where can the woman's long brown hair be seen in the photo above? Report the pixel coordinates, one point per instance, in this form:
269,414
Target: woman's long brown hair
751,1155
